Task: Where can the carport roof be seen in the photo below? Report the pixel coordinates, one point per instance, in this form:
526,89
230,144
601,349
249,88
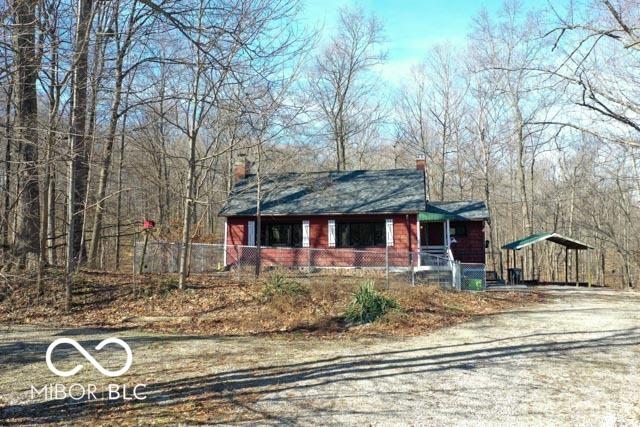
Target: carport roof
552,237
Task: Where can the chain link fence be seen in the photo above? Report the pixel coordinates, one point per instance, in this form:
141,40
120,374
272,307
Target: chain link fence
164,257
393,266
473,277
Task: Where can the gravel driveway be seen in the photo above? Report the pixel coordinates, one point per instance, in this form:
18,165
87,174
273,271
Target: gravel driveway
574,360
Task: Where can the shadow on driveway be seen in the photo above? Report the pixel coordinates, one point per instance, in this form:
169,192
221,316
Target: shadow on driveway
231,386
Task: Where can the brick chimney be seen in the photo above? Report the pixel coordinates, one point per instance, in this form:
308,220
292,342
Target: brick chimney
421,164
240,170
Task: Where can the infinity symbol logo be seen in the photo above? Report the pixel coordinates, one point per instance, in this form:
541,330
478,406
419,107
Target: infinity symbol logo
90,358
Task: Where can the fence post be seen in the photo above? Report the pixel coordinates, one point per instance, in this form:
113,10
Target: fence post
413,273
144,250
238,261
386,263
133,263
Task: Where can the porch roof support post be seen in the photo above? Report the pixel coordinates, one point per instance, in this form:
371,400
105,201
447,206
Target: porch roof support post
447,234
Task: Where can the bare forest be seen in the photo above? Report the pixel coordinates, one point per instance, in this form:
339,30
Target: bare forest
112,112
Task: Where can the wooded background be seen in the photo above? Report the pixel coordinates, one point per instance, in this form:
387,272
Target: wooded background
116,111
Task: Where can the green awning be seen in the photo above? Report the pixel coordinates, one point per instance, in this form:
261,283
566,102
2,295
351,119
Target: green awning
434,216
552,237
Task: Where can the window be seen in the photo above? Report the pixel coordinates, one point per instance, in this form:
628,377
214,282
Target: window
457,230
361,234
281,234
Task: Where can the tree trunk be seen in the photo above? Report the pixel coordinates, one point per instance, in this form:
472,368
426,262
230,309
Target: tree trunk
6,209
27,244
51,218
79,148
119,189
106,164
443,157
258,231
525,211
78,168
188,203
96,77
48,200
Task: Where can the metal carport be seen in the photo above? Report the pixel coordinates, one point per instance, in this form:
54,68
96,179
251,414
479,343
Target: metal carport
557,238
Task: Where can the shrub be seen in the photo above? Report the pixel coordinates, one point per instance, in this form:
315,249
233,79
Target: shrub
368,304
279,284
169,285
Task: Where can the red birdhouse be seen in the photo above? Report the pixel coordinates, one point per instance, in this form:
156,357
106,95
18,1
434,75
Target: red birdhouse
148,224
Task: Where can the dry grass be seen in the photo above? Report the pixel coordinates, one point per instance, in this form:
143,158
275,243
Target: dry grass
220,305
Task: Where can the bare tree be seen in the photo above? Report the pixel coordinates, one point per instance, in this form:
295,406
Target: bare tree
78,167
27,243
134,18
510,50
599,47
340,82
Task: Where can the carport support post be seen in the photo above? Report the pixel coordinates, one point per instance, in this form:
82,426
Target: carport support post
508,261
589,265
566,265
577,269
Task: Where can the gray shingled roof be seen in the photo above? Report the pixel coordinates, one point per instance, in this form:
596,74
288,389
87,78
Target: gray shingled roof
321,193
458,210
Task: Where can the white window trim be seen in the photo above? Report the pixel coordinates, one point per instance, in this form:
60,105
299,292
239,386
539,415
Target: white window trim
305,233
224,255
389,231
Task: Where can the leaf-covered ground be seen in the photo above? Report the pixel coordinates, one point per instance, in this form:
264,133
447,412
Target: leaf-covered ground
222,305
573,360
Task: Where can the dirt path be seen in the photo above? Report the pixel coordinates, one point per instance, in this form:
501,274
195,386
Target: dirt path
574,360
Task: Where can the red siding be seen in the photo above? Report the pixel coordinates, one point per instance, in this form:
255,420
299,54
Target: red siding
318,238
470,248
237,231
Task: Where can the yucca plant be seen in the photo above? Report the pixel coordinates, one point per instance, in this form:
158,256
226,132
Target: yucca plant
368,304
279,284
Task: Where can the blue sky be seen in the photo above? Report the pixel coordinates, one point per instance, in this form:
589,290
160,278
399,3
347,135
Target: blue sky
411,26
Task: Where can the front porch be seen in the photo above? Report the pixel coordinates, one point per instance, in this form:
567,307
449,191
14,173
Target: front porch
452,231
434,241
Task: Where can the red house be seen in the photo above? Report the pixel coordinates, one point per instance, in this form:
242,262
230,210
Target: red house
363,218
